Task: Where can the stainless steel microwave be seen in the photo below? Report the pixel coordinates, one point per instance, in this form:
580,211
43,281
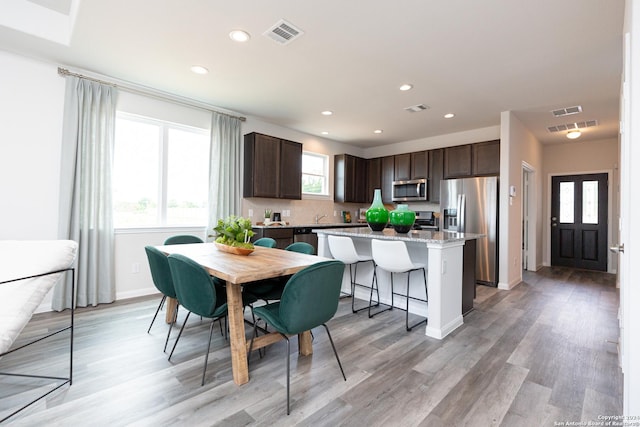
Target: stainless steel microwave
410,190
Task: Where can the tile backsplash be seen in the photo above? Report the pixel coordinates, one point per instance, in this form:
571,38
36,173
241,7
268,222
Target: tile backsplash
305,211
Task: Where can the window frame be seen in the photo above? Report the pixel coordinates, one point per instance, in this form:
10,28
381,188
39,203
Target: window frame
165,126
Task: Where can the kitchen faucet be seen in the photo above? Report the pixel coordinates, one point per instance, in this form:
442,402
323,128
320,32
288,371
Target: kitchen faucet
319,217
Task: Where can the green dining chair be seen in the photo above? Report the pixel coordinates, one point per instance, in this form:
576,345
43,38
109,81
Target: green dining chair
161,276
198,294
310,299
182,239
271,290
301,247
266,242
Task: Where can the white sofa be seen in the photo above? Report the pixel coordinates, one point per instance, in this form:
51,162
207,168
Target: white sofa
21,259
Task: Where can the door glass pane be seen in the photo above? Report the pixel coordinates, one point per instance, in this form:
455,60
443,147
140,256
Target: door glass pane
590,202
566,202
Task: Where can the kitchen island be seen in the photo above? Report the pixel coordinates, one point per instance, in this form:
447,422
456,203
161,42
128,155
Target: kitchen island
441,252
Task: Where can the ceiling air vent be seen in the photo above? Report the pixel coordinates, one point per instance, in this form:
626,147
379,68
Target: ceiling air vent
567,111
416,108
569,126
283,32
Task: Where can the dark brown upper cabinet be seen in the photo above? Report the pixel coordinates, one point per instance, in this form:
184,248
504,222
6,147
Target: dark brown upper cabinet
272,167
419,164
436,174
457,161
387,166
486,158
402,167
411,166
350,179
290,170
374,176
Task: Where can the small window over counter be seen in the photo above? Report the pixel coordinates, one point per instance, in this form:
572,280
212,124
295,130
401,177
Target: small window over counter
315,174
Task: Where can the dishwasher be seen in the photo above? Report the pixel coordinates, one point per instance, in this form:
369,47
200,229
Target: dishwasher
304,234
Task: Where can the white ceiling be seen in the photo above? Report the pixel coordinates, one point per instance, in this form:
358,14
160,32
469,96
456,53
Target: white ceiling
473,58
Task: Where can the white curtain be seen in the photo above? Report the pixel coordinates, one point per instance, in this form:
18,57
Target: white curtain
224,168
85,191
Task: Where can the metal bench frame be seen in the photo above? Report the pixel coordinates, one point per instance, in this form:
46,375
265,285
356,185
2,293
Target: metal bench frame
64,380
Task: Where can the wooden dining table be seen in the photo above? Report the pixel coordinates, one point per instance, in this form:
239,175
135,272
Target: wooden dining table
236,270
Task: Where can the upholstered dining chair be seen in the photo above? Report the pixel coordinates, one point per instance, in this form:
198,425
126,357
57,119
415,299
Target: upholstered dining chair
310,299
266,242
198,294
271,290
161,276
301,247
182,239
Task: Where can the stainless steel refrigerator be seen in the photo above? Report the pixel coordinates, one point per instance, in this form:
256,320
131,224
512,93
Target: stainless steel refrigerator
470,205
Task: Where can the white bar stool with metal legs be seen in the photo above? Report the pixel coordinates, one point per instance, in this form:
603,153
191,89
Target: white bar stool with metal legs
343,249
393,256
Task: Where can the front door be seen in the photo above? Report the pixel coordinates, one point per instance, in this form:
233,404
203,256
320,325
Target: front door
579,209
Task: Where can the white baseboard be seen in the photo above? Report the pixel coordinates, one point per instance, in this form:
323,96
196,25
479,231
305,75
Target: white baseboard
45,305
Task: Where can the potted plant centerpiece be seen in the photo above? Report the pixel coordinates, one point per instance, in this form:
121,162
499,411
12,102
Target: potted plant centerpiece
233,234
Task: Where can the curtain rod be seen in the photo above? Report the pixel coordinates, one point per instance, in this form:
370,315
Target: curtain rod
130,87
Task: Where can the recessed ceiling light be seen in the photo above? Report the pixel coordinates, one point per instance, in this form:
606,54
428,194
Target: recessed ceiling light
327,113
449,115
239,36
377,131
324,132
406,86
574,134
199,69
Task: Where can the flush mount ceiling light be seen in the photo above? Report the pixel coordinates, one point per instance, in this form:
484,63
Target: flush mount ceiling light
327,113
377,131
239,36
406,87
199,69
449,116
574,134
324,132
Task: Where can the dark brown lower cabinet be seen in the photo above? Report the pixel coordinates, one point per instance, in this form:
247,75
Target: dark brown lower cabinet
282,236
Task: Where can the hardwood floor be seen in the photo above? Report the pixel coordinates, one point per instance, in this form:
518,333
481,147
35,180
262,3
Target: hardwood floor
542,352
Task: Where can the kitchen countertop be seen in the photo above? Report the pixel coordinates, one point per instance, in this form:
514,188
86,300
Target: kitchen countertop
419,236
320,226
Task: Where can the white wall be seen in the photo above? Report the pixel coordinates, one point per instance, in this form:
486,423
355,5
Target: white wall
517,145
577,158
31,110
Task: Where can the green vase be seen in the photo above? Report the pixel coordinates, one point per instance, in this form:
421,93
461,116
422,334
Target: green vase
402,219
377,215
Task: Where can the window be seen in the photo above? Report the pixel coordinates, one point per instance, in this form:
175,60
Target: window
315,174
160,173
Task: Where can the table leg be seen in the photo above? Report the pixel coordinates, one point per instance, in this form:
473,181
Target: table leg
170,308
237,336
305,348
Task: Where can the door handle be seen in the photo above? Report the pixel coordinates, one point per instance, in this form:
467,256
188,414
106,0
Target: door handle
617,249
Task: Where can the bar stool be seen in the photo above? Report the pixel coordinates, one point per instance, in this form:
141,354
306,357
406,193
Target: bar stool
393,256
343,249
